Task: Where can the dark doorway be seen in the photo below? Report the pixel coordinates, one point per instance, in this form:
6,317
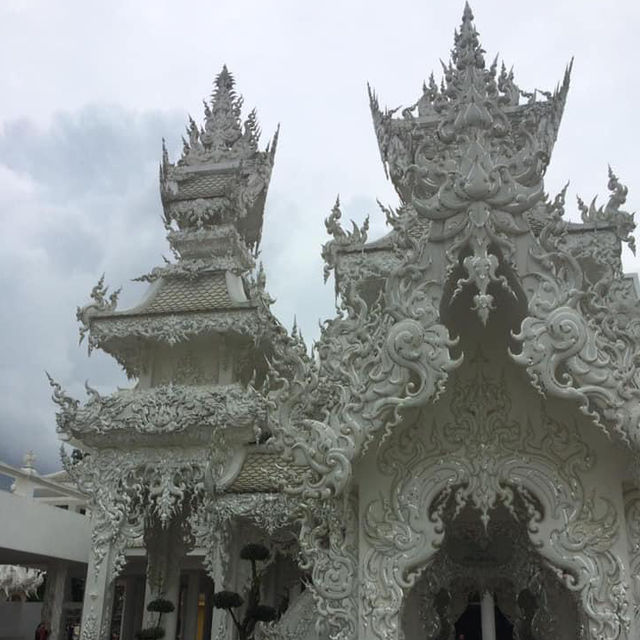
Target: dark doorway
469,624
504,629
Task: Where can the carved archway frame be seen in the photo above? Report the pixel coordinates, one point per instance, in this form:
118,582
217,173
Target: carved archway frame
485,458
442,592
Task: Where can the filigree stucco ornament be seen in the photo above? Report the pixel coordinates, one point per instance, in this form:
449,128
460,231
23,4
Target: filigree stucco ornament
199,191
219,520
127,487
165,409
341,239
470,167
19,582
360,449
506,565
99,304
472,161
581,336
329,551
378,358
486,457
611,215
174,329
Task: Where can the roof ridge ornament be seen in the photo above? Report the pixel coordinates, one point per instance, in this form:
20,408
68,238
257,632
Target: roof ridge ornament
221,177
467,51
100,304
611,214
470,159
223,133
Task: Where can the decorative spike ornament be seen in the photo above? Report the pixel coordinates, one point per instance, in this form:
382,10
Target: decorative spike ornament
221,178
473,162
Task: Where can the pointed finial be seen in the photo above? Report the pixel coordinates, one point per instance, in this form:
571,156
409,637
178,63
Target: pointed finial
467,51
373,99
261,278
225,79
332,223
164,164
273,144
29,460
567,78
467,14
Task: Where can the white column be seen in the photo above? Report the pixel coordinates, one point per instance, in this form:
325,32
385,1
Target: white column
172,592
165,550
221,625
132,603
54,598
190,613
98,596
488,613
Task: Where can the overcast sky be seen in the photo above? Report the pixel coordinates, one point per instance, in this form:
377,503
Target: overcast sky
89,89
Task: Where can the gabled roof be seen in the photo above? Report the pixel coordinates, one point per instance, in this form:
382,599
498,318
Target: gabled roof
475,240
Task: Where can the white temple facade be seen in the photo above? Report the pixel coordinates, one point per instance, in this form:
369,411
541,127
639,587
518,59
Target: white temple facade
459,453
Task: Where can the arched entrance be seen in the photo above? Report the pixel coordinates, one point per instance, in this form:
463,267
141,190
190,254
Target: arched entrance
480,460
488,578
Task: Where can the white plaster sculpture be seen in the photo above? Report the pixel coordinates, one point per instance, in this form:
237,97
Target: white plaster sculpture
469,423
19,582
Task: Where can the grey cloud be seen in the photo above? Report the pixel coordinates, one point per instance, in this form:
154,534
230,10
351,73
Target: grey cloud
79,197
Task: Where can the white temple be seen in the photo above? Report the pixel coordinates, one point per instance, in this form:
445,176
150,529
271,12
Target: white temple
459,454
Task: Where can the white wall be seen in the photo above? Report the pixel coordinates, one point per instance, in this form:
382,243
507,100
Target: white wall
31,527
18,620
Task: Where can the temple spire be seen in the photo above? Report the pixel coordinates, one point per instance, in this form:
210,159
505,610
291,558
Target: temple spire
221,179
467,51
223,126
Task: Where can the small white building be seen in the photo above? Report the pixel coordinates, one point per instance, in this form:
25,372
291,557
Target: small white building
45,536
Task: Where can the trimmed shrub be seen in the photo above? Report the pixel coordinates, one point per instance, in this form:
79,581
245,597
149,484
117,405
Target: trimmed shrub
254,552
227,600
160,605
263,613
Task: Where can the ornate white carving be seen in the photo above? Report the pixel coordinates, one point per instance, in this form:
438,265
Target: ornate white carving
632,519
375,362
610,214
486,457
329,551
173,328
341,239
164,409
125,487
19,581
474,227
580,338
99,304
473,161
222,176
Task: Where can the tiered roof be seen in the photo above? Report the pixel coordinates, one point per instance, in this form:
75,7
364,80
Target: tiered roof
476,248
213,199
204,329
